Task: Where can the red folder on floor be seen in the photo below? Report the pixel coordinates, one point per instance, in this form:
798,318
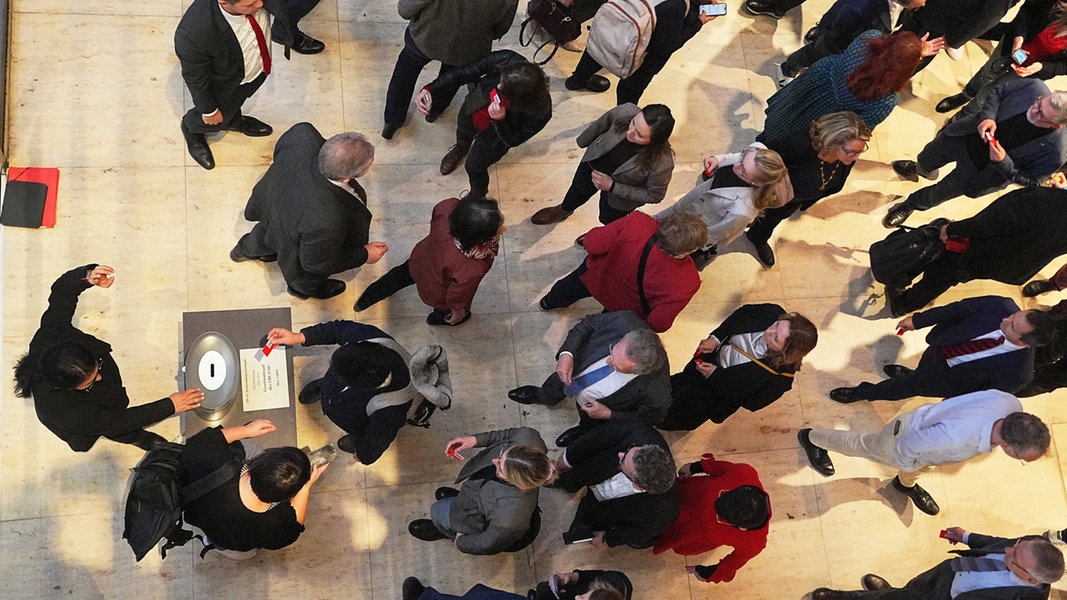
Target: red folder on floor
30,197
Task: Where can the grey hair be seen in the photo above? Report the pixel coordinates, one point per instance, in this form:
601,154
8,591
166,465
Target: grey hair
345,155
645,349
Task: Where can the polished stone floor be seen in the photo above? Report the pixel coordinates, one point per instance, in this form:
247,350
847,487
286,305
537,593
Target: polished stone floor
95,90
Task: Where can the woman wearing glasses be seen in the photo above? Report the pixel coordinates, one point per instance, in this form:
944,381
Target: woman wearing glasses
76,386
819,159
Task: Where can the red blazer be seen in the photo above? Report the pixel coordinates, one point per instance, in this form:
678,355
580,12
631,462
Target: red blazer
444,277
614,253
697,531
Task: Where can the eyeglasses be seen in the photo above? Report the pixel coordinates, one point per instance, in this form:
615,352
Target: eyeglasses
96,376
848,152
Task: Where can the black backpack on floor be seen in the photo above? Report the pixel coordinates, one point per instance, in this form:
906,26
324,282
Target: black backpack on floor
904,253
157,493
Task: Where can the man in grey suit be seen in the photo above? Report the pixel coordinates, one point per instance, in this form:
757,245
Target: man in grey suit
993,568
1016,136
495,510
312,213
614,367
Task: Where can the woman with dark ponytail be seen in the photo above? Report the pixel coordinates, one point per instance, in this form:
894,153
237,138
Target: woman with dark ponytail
75,384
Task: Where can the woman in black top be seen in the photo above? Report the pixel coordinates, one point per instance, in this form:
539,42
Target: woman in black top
819,161
262,507
76,386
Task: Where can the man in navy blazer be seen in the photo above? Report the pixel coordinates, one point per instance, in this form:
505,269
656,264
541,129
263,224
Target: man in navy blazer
1016,136
223,63
632,496
993,568
637,388
945,371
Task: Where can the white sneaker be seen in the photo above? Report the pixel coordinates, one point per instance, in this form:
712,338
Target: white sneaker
1055,536
781,78
954,53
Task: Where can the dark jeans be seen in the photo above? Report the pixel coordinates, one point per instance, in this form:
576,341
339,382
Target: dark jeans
942,150
631,88
568,290
484,150
298,9
231,109
937,278
140,438
398,278
582,189
402,84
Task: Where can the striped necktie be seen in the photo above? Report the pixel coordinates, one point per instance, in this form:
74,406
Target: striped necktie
970,347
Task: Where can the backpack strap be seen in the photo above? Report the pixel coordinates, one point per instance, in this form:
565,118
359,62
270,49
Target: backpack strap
205,484
641,274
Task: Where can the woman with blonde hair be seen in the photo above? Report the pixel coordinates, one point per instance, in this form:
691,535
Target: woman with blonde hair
819,158
495,510
728,199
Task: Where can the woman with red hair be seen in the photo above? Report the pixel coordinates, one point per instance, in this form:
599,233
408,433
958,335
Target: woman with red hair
865,79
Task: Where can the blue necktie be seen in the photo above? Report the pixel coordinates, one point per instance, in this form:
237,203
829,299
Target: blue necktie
581,382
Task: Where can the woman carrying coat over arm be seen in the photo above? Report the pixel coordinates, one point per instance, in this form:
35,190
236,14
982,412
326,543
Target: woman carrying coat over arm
748,361
628,159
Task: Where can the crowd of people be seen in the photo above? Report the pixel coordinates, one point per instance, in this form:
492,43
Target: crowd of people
312,218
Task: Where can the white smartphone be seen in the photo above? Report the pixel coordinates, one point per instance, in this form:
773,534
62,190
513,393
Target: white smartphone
713,10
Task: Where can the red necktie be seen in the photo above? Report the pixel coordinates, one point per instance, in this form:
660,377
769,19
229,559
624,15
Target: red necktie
264,53
970,347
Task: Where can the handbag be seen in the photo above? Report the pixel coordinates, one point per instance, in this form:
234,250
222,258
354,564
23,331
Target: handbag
554,19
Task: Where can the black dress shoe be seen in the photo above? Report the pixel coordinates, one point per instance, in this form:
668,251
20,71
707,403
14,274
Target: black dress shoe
329,289
445,492
390,130
595,84
568,437
897,214
812,34
826,594
311,393
818,458
250,126
907,169
347,443
196,143
920,497
1038,287
425,530
703,257
524,394
412,589
764,252
236,256
872,583
763,7
844,395
305,44
892,371
952,103
452,159
438,318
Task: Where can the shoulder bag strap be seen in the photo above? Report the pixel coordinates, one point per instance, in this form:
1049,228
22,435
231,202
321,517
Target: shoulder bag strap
205,484
759,362
641,274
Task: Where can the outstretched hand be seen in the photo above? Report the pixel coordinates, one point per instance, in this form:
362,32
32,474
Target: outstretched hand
101,276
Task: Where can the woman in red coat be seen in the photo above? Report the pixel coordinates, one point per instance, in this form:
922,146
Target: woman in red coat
448,264
611,271
726,507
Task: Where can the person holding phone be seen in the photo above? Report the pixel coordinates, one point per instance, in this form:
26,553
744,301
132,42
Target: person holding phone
1034,45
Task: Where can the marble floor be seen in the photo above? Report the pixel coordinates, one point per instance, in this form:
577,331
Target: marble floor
95,90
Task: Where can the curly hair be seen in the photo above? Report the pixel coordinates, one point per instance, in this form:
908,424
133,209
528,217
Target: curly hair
653,469
889,65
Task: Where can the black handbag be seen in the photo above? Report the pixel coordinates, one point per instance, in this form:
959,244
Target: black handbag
554,19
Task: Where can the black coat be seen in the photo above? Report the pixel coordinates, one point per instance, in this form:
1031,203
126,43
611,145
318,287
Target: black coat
316,227
1014,237
211,59
716,397
80,417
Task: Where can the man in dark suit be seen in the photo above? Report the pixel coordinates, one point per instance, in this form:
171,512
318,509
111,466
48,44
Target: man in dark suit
993,569
629,471
983,343
1008,241
312,213
224,50
1016,136
614,367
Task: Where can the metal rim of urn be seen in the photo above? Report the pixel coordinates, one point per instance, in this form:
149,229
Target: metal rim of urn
211,364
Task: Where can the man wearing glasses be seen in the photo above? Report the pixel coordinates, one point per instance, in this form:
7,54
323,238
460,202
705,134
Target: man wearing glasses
614,367
993,568
1015,136
76,386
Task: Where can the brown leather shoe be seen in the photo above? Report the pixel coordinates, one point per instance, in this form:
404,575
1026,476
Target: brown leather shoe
451,160
550,215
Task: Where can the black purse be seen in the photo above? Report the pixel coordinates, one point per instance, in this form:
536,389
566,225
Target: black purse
554,19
